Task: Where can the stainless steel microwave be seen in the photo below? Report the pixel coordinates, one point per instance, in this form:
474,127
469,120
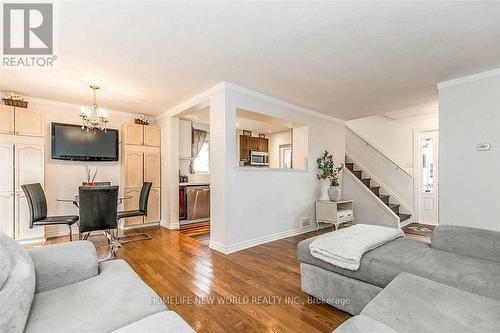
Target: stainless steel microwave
259,158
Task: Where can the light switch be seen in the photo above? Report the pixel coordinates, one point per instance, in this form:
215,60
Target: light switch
483,147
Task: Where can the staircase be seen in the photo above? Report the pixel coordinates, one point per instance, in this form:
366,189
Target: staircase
385,198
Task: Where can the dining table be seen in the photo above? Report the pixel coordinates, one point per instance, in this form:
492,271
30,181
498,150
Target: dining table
75,200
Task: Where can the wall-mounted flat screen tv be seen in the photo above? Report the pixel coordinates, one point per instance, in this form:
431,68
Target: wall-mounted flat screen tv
72,143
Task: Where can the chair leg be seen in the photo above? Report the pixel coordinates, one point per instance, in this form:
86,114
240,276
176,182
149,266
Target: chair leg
70,234
129,238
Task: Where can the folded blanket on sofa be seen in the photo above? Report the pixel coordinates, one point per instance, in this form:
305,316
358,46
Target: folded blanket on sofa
345,247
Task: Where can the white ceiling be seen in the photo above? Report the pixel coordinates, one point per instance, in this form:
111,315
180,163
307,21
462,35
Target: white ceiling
344,59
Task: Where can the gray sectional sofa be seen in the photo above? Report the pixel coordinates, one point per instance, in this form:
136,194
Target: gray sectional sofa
63,288
459,261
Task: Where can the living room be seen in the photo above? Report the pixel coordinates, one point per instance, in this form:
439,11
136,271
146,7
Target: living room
373,211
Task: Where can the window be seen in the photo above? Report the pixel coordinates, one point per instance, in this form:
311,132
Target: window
201,162
286,156
427,165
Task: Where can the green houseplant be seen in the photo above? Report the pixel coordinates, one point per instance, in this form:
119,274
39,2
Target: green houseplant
329,177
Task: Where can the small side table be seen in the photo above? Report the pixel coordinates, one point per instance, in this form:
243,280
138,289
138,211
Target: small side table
328,212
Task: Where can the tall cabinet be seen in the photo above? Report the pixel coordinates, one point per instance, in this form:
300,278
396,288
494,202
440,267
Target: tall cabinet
22,153
141,162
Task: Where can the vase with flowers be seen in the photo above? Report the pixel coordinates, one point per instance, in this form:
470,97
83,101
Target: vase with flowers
329,177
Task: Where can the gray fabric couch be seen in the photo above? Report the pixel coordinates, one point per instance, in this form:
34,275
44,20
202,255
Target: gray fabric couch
412,303
63,288
463,258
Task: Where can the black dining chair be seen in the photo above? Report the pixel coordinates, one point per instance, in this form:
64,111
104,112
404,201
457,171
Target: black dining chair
142,211
37,203
98,212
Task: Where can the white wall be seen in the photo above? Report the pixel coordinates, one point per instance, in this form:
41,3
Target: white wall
261,205
393,137
62,178
469,112
250,206
275,140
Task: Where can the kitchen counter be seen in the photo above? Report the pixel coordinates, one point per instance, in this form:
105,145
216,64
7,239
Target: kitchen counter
195,184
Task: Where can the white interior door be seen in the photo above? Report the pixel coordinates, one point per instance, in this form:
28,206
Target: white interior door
428,177
29,169
7,189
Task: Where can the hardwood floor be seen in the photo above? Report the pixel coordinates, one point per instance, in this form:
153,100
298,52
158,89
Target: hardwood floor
199,231
254,290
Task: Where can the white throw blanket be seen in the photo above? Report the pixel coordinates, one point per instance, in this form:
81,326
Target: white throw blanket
345,247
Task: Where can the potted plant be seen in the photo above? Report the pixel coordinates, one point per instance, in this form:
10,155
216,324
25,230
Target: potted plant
329,177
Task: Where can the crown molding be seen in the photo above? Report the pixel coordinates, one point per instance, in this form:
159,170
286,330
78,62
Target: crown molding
468,79
74,107
191,102
277,101
197,99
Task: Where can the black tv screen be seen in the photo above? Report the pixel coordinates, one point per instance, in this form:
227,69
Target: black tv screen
71,142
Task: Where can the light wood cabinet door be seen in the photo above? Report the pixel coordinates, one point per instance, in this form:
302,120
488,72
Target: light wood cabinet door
133,164
153,206
23,230
29,169
152,166
132,203
7,216
133,134
29,122
7,189
6,119
152,136
29,165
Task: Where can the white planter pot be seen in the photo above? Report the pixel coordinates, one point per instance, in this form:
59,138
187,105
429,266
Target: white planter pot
334,193
324,186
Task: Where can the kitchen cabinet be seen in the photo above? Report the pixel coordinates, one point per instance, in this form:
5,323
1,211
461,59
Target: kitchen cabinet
29,122
133,166
153,206
244,148
133,134
7,119
152,166
182,203
20,163
252,143
132,203
7,189
141,162
152,136
21,121
263,145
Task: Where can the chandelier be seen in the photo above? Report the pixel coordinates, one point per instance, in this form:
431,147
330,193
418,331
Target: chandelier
94,117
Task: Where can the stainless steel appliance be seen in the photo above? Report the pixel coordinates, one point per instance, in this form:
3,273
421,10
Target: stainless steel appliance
258,158
198,203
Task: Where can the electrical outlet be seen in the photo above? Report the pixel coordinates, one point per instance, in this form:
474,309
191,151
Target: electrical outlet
305,222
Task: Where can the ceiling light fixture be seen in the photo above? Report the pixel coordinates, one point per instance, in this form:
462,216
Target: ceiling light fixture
94,117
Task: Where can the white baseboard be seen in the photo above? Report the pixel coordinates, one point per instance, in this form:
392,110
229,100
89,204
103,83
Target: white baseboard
54,231
170,226
259,240
143,225
32,241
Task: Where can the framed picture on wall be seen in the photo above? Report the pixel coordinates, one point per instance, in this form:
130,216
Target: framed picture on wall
245,132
